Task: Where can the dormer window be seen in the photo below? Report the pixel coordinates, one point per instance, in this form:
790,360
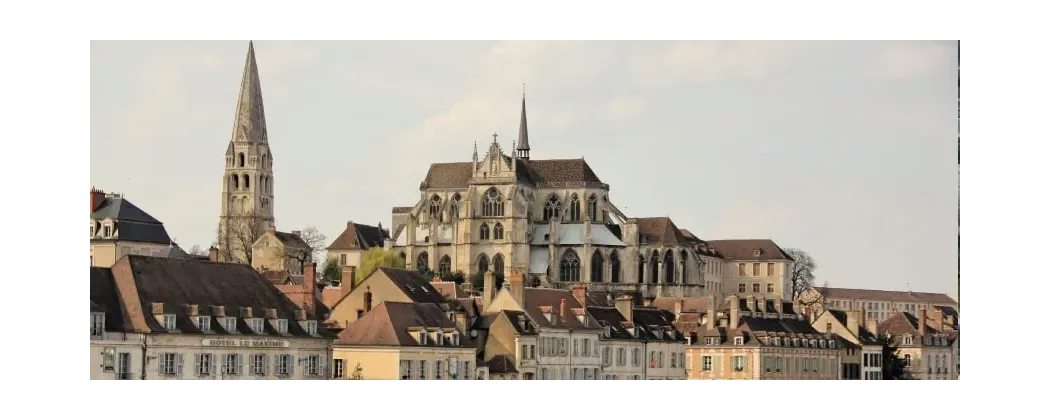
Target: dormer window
738,340
105,231
758,252
257,325
169,322
98,323
794,342
440,339
823,343
711,341
311,327
204,323
776,341
831,344
608,331
229,324
907,339
423,337
282,326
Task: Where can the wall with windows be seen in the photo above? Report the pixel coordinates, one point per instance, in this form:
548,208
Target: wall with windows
186,357
561,354
871,363
105,254
763,279
718,363
623,360
669,360
408,362
116,356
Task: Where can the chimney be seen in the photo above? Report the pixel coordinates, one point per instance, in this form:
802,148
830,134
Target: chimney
938,320
922,320
579,291
517,287
734,311
270,313
368,298
218,311
157,308
213,254
246,312
310,284
97,196
677,308
300,315
489,290
191,310
625,306
347,283
853,322
711,312
563,310
872,326
461,322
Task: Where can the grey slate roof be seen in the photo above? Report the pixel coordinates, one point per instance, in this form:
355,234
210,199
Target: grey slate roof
119,208
132,223
541,173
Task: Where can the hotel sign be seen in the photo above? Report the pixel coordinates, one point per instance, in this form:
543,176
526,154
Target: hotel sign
244,342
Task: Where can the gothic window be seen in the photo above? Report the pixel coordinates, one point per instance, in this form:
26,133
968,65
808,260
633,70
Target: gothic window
402,255
597,266
592,208
240,160
669,267
423,261
497,264
614,267
445,266
497,231
235,181
641,268
247,185
574,208
654,267
492,203
552,209
484,231
483,263
570,267
682,261
264,161
435,208
453,207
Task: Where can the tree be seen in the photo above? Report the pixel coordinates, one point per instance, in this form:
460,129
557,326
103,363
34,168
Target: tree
377,257
314,240
331,273
893,367
427,272
456,277
801,272
358,372
242,231
197,250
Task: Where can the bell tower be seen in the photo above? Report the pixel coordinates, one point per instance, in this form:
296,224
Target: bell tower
247,182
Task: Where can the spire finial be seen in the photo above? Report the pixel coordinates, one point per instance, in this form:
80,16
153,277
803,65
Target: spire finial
475,150
494,135
523,129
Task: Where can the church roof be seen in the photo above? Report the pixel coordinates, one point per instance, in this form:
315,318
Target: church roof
660,231
541,173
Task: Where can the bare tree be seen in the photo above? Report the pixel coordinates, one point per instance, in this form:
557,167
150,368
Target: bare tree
801,272
315,241
241,232
197,250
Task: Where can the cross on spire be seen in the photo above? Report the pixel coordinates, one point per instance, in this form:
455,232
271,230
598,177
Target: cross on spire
494,135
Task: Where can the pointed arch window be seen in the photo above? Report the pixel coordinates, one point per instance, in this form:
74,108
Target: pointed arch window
483,232
423,261
614,267
492,203
497,231
552,209
403,257
669,267
240,160
483,263
574,208
592,208
453,206
641,268
235,181
445,266
597,267
497,265
654,267
435,208
570,267
247,184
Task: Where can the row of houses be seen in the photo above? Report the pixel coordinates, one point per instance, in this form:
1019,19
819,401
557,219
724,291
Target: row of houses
186,318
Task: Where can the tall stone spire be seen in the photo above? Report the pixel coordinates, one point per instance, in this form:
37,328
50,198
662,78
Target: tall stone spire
249,124
523,133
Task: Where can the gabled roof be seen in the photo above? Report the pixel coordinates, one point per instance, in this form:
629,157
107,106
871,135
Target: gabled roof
359,236
415,285
890,295
535,298
104,299
541,173
388,325
119,208
660,231
131,223
501,364
744,249
290,239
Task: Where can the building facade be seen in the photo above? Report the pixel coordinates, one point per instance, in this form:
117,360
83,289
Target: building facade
120,228
351,244
862,352
928,347
755,267
879,304
206,320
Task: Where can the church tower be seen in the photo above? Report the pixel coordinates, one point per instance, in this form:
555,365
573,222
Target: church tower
247,182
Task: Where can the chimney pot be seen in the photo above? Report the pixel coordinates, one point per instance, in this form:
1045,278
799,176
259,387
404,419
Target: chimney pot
157,308
270,313
218,311
191,310
246,312
300,315
564,309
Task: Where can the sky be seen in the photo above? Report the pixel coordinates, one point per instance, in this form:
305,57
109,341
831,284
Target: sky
847,150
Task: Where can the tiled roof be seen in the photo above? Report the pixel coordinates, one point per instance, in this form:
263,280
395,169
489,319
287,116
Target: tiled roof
744,249
535,298
290,239
180,282
359,236
866,294
399,210
388,325
548,172
660,231
689,304
131,223
448,289
501,364
415,285
104,298
119,208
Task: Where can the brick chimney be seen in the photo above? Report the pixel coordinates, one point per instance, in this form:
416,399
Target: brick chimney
938,319
461,322
218,311
872,326
516,281
213,254
734,311
368,298
310,284
156,308
563,310
625,306
270,313
347,283
711,312
246,312
853,322
489,290
922,320
191,310
97,196
579,292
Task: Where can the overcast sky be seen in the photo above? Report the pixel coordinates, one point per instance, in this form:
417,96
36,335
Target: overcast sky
844,149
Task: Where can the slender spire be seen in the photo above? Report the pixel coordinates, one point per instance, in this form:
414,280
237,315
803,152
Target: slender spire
475,151
523,130
250,121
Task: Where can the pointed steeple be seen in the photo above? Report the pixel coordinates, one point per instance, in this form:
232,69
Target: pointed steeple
475,151
523,132
249,124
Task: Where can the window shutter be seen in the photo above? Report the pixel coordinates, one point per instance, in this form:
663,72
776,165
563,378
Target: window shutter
265,363
197,364
323,370
291,364
178,364
211,358
717,364
240,364
160,365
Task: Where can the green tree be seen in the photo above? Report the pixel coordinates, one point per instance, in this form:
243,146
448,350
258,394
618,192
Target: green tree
358,372
377,257
893,367
456,277
332,273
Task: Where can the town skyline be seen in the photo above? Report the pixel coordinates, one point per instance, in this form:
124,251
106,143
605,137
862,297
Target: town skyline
888,171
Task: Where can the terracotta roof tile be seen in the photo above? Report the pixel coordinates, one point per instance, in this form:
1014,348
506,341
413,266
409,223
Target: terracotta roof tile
359,236
388,325
660,231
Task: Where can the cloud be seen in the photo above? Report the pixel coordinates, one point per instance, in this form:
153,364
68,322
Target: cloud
623,108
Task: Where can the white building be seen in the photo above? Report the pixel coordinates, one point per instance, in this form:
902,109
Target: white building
115,352
880,304
637,342
193,319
